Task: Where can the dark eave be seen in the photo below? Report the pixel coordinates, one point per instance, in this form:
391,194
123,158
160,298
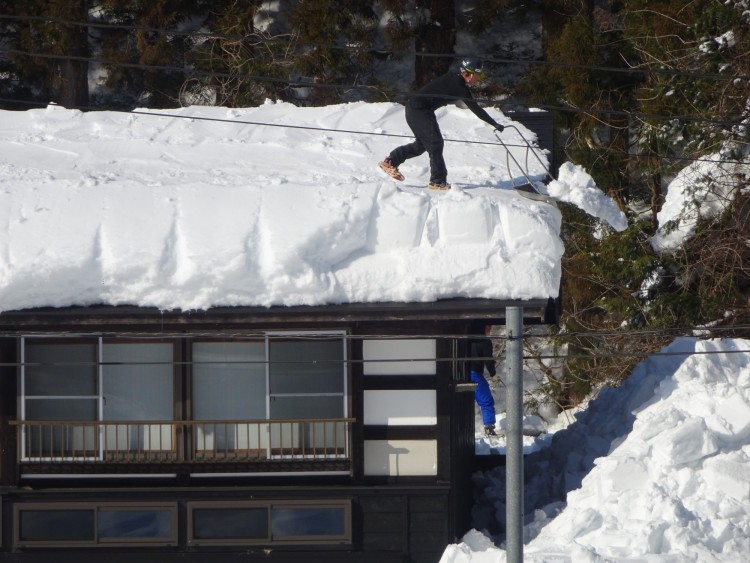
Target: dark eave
103,318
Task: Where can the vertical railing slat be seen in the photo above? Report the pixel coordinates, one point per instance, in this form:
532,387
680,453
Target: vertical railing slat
114,442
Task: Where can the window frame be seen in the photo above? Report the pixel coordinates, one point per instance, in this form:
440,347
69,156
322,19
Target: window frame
266,339
99,342
95,508
183,399
343,539
298,335
23,396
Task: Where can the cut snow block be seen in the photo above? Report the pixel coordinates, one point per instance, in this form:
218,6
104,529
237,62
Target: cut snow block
733,419
730,476
688,442
397,220
464,222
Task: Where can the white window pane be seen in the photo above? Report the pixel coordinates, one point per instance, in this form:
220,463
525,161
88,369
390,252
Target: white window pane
229,381
62,370
400,457
405,407
311,366
139,386
399,357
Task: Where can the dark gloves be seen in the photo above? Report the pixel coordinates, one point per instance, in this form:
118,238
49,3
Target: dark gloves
499,128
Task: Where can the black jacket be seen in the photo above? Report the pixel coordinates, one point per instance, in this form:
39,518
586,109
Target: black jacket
481,348
448,89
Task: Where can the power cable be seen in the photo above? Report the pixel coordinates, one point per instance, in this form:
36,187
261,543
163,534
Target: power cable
399,52
191,72
156,113
350,361
261,337
684,331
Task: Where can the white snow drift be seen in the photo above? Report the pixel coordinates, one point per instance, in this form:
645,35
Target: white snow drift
200,207
656,470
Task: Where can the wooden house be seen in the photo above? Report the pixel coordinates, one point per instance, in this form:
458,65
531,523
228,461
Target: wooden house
334,432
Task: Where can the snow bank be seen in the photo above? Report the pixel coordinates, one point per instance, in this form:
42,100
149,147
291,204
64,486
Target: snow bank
656,470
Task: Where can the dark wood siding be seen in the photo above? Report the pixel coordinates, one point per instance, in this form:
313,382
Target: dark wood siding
428,527
8,370
390,524
409,519
415,525
383,524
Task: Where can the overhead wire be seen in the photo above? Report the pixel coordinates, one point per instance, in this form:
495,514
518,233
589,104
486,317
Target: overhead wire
559,340
292,83
196,72
303,84
300,83
313,335
157,113
349,47
378,361
164,114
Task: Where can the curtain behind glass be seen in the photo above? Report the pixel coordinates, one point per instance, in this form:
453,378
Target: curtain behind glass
137,384
229,383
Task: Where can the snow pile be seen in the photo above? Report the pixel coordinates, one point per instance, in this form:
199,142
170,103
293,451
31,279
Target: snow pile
574,185
201,207
702,190
656,470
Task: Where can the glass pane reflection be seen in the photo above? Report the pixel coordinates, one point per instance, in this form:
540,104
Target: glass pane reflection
135,524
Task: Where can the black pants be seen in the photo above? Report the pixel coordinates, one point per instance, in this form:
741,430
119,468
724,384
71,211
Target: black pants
429,139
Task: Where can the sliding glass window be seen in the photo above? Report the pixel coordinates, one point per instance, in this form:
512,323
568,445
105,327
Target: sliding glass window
94,524
229,397
270,522
114,399
60,384
69,386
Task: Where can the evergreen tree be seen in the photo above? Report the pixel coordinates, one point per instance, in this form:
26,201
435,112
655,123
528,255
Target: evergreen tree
49,56
435,35
147,52
335,44
696,58
677,54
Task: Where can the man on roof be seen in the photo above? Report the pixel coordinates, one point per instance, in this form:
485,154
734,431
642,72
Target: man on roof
452,87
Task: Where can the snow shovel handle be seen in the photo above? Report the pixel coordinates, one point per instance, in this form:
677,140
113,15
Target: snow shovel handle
529,149
509,157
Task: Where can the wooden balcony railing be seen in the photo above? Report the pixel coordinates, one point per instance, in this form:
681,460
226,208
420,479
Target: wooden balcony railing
195,441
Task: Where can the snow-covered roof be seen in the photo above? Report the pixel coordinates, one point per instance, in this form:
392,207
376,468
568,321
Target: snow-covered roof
201,207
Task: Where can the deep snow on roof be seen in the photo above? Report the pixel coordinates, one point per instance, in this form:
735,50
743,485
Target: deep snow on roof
200,207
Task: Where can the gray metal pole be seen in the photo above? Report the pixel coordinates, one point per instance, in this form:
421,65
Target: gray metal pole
514,436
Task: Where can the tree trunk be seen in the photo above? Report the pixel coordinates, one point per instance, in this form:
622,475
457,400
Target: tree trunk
74,85
72,76
436,35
